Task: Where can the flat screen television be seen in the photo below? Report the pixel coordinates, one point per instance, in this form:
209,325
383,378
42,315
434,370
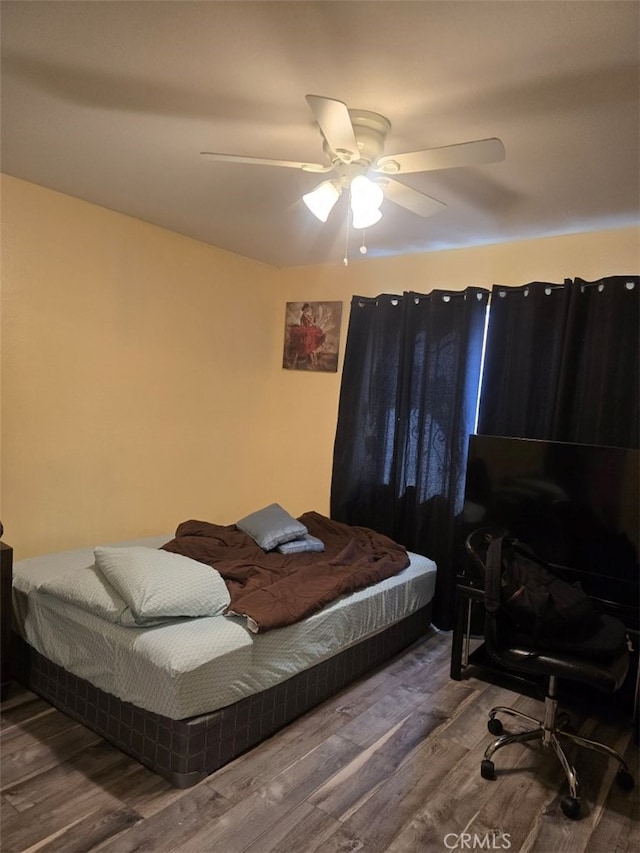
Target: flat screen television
574,504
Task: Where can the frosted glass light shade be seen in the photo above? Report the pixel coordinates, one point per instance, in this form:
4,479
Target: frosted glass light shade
365,192
366,218
366,198
321,200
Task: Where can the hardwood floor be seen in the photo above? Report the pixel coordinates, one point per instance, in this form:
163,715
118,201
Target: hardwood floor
390,765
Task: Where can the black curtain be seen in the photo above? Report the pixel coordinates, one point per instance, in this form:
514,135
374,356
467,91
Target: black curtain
561,362
407,405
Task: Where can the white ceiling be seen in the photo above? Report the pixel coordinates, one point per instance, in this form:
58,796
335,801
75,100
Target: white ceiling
112,102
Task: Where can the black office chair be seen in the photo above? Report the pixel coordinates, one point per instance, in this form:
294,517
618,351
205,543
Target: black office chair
516,654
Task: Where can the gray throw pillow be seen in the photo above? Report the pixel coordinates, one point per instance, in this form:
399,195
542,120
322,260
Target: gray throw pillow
271,526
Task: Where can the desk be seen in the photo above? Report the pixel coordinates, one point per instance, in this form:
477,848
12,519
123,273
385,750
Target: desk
467,592
6,611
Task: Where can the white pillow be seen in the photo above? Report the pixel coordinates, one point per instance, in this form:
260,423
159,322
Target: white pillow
158,584
271,526
89,590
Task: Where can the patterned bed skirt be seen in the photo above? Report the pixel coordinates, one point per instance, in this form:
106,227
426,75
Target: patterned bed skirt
186,751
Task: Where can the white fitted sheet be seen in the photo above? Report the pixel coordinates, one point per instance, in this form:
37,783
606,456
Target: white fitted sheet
194,666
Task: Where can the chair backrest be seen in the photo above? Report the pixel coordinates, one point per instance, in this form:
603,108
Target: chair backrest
528,606
476,545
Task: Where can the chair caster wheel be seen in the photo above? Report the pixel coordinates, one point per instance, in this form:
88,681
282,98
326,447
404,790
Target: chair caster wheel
571,807
495,726
487,769
564,723
624,780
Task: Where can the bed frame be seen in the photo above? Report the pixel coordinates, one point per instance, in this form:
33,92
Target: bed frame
186,751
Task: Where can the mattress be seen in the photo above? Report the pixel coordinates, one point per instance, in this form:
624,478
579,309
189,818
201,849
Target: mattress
195,666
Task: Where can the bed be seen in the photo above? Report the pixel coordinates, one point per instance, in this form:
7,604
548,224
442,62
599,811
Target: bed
185,694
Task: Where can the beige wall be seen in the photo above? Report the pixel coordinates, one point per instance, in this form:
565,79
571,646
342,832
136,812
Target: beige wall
141,371
135,375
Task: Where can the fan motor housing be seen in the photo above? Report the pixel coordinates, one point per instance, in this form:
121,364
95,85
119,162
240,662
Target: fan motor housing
370,130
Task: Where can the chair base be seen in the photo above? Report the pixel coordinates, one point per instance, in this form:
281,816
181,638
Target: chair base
551,731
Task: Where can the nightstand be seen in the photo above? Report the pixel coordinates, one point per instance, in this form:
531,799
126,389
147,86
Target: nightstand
6,612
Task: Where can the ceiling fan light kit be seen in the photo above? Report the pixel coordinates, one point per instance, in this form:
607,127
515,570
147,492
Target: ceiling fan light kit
366,198
322,200
353,142
365,218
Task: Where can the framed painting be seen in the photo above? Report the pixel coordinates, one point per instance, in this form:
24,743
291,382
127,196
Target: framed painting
312,336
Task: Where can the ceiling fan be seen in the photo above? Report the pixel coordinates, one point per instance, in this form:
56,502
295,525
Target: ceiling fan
353,142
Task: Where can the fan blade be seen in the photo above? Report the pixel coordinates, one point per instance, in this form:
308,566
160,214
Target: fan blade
335,124
447,157
413,200
261,161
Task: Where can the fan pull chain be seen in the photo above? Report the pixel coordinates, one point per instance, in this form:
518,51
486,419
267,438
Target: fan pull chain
345,260
363,246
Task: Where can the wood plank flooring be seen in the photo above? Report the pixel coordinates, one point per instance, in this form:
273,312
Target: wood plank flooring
390,765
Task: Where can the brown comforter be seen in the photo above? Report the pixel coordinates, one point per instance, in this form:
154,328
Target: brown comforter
273,589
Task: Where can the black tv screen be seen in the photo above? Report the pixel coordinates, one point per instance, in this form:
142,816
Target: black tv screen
575,504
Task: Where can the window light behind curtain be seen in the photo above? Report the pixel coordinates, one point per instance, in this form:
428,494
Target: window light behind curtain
407,405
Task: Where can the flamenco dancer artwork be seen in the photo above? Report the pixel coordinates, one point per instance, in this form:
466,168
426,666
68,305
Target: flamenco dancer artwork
312,336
